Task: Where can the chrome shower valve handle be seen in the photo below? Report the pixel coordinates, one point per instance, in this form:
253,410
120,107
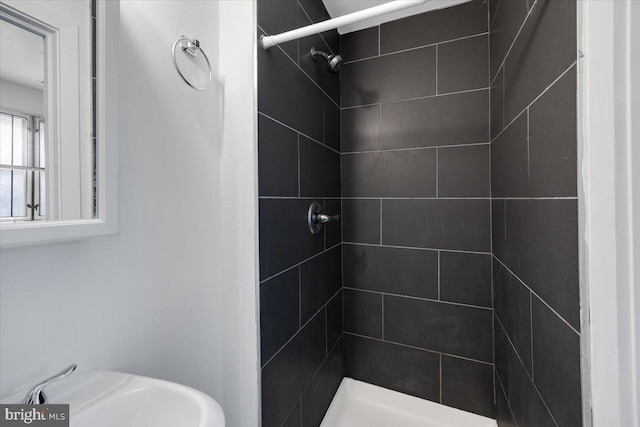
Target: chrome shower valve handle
323,219
316,219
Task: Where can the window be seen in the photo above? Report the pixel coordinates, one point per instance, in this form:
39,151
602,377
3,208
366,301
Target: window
22,167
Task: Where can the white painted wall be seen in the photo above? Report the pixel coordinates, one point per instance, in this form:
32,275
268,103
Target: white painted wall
238,80
155,300
627,108
609,211
21,98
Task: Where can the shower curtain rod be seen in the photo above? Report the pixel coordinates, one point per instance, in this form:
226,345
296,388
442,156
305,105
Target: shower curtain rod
331,24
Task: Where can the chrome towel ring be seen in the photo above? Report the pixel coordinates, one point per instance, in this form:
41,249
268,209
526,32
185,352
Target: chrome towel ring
191,47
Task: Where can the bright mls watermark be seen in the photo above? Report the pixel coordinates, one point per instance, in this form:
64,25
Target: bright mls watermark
34,415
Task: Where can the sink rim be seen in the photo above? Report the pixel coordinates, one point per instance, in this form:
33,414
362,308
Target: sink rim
96,389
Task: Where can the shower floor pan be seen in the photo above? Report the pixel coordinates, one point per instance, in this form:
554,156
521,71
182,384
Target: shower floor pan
358,404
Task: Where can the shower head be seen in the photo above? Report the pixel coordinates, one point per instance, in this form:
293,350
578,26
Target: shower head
334,62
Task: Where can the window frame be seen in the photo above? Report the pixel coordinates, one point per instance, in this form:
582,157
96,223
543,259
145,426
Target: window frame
30,182
106,222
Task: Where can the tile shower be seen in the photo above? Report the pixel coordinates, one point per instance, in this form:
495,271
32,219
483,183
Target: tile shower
447,143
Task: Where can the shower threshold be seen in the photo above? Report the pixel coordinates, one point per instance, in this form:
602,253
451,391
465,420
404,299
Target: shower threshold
358,404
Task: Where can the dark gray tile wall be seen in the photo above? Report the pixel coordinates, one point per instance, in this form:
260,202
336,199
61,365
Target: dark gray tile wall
446,119
397,367
410,173
416,207
535,212
467,385
411,272
453,224
439,26
448,145
300,274
446,328
363,313
465,278
391,77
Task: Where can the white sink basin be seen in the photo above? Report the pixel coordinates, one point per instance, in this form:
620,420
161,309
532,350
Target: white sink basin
114,399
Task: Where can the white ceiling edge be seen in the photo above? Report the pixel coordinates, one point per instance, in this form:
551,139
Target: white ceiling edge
343,7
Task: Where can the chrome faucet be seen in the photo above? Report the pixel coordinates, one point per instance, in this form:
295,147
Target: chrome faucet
316,219
36,395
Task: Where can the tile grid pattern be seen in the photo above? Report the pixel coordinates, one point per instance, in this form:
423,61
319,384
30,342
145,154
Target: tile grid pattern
300,274
534,212
416,207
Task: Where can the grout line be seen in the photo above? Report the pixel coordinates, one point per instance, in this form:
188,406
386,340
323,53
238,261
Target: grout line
536,99
341,202
492,80
301,328
417,98
513,42
298,198
526,372
313,377
313,22
308,76
436,69
506,334
299,174
379,128
299,401
325,42
402,198
395,52
341,292
311,380
493,341
299,264
531,325
440,363
504,393
326,330
297,131
341,133
299,298
439,268
491,21
416,248
300,68
528,151
504,97
437,172
431,147
419,348
380,221
383,317
417,298
413,198
537,296
418,198
324,123
505,227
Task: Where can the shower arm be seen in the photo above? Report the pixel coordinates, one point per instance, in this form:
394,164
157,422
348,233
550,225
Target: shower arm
331,24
